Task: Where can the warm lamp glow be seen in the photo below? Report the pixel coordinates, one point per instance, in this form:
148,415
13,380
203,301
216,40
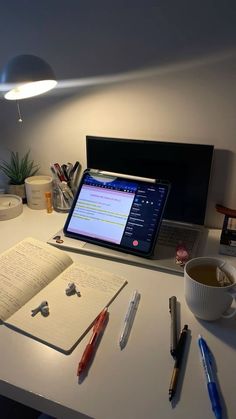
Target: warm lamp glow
31,89
27,76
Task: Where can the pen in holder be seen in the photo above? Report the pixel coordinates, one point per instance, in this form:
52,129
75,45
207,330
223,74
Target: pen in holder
62,196
64,185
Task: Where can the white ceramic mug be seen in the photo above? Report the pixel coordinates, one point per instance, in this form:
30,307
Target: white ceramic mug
205,301
35,187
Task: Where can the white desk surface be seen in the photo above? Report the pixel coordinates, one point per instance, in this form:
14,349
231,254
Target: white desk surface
128,384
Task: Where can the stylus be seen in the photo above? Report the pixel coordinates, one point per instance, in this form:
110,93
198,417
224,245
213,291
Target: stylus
173,325
129,318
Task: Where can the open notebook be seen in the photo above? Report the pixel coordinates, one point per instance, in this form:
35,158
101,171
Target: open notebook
32,272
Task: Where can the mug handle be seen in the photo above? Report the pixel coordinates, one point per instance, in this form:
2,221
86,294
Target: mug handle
229,316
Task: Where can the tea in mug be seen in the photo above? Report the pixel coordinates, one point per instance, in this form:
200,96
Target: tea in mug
210,275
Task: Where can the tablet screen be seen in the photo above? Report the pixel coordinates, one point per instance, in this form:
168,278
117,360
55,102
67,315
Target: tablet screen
124,213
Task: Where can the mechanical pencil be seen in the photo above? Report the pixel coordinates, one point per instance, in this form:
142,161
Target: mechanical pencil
129,318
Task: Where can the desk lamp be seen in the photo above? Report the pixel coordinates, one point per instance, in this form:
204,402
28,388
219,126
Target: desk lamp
27,76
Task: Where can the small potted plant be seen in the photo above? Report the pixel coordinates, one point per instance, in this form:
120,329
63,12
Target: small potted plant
17,170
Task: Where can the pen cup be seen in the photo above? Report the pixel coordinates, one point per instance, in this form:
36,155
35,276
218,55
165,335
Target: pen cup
62,196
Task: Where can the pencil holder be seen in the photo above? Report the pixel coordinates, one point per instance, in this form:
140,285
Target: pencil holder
62,196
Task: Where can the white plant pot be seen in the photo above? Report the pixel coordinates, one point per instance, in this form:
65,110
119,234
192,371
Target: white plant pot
18,190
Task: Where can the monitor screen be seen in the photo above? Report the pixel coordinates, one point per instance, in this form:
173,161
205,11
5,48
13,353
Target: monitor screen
186,166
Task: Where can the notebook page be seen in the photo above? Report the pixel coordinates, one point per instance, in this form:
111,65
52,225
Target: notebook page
70,316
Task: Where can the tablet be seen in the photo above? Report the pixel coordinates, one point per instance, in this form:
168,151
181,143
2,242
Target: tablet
117,211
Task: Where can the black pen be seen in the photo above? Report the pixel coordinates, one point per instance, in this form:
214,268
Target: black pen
173,326
179,356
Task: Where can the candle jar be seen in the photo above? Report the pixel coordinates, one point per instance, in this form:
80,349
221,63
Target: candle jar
36,187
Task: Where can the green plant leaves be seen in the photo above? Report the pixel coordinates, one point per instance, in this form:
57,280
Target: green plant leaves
18,169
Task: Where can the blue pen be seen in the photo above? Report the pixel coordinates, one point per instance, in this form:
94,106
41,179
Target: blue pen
211,385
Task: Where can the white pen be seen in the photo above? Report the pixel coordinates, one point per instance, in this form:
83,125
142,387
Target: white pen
129,318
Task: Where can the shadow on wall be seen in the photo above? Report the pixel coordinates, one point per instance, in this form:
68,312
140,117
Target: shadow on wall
83,41
193,100
221,184
221,171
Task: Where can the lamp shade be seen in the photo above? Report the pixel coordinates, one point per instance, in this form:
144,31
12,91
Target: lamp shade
27,76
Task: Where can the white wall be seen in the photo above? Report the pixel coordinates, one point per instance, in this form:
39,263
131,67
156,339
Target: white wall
189,99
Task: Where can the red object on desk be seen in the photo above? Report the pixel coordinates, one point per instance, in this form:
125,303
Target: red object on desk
182,255
226,211
98,327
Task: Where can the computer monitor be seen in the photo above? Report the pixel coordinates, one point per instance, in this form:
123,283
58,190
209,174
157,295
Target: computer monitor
186,166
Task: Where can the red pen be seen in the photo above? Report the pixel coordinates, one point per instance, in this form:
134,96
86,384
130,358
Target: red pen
59,172
99,325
